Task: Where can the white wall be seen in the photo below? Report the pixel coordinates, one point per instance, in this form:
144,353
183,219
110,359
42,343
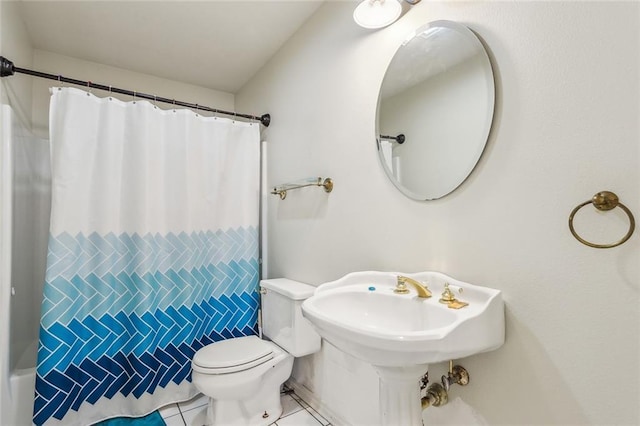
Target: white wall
566,126
15,46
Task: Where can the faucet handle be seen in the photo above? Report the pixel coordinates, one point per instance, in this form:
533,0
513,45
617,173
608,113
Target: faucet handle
450,300
401,286
447,295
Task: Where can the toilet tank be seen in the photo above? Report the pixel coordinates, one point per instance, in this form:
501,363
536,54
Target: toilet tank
282,320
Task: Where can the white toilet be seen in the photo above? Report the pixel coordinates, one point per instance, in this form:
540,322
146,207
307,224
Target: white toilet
242,376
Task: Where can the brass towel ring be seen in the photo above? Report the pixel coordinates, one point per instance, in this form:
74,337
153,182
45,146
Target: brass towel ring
604,201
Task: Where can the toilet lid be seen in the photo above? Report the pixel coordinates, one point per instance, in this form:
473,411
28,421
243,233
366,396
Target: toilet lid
231,355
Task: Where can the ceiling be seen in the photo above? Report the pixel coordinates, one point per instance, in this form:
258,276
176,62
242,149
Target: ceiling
218,44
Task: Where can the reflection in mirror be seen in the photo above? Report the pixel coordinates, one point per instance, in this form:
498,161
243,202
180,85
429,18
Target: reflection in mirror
438,94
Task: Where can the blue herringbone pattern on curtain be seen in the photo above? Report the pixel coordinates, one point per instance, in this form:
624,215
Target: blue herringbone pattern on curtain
125,313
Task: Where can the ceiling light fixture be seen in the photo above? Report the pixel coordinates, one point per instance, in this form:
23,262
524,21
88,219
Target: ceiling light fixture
378,13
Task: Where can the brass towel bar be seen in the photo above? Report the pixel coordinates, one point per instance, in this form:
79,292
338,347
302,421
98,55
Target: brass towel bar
281,190
603,201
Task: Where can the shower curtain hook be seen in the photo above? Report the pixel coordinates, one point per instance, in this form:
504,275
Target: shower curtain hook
197,111
60,82
110,98
155,100
89,87
134,97
174,105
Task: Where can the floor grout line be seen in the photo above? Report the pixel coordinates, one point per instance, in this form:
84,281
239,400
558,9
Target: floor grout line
184,422
301,403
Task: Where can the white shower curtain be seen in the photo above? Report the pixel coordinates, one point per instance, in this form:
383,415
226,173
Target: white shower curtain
153,253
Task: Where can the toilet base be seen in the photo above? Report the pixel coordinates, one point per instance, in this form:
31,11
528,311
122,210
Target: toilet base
250,411
248,398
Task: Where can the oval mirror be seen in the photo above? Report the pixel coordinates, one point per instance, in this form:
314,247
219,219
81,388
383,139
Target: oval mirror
435,110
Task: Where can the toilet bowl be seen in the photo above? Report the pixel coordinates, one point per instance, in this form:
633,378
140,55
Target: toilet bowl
242,376
247,393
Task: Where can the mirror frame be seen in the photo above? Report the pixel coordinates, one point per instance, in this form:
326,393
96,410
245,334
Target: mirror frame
487,68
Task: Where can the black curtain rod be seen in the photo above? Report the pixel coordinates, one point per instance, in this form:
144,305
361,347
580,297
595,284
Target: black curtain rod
8,69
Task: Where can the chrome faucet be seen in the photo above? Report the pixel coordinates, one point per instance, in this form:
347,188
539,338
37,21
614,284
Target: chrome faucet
401,287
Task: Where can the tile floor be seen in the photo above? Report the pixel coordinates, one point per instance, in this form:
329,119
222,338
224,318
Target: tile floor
295,412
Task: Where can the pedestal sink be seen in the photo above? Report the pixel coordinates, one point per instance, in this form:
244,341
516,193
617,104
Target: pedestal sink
401,334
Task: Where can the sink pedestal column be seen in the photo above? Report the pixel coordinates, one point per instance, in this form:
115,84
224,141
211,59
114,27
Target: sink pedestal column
400,395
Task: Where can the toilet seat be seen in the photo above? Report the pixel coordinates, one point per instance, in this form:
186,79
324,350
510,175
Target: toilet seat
232,355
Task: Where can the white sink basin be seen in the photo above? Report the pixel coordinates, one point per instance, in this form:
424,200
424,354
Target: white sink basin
361,315
401,334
